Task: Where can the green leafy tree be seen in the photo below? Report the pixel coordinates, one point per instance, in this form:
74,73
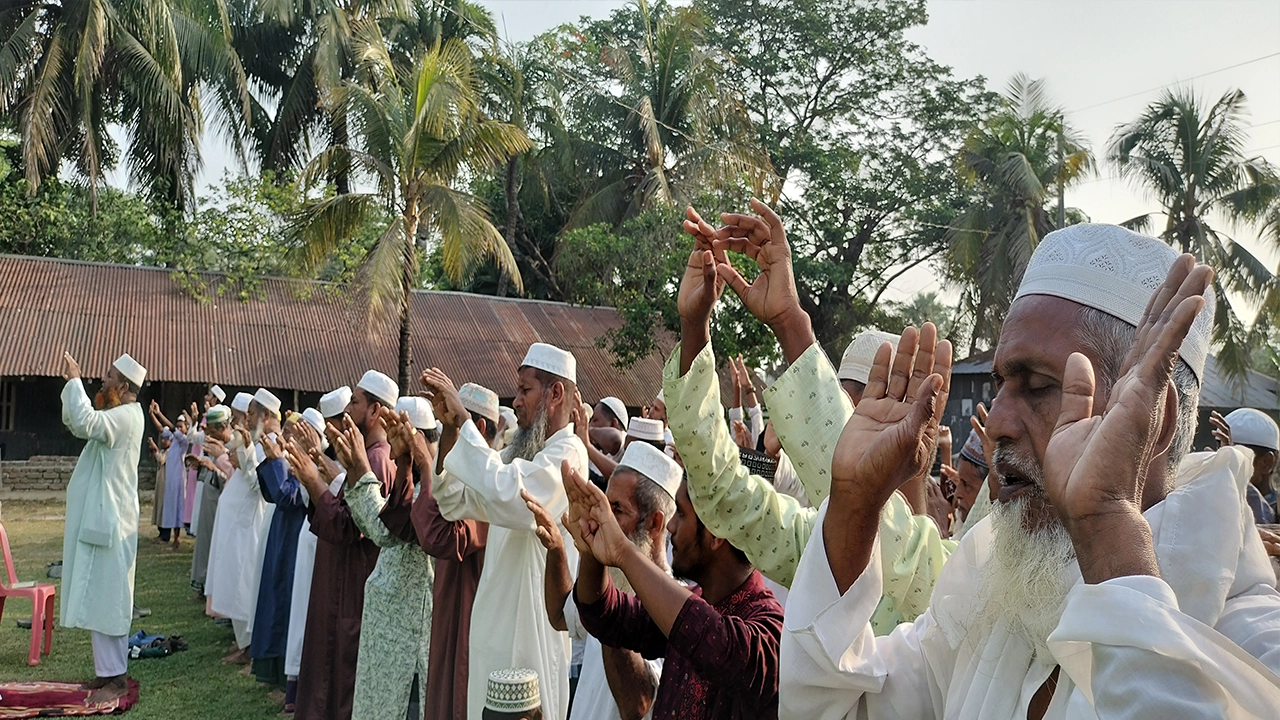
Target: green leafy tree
1191,160
415,135
72,69
1013,162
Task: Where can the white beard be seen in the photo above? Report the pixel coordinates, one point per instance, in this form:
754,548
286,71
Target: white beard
1026,580
644,543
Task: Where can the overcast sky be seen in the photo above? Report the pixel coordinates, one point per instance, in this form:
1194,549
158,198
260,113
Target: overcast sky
1103,61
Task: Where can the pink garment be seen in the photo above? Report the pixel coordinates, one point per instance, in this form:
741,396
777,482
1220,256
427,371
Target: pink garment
189,500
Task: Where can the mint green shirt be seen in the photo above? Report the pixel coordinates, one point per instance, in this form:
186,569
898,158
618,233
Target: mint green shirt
809,412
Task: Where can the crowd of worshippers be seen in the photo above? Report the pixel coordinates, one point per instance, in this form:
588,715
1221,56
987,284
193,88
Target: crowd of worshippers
441,556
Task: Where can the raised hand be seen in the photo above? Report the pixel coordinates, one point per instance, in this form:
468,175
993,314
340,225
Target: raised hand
154,408
214,447
70,368
270,449
302,465
349,447
979,423
939,508
444,398
581,420
741,435
892,439
772,296
944,445
400,432
701,286
1221,430
547,531
1270,542
1095,466
598,532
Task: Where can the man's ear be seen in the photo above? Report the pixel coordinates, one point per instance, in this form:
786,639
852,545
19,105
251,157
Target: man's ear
657,521
1168,419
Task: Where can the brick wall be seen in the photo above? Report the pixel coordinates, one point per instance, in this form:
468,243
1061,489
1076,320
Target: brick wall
40,473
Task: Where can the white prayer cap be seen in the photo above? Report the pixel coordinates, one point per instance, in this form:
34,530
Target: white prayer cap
382,388
334,403
861,354
131,369
659,398
266,399
645,429
552,359
479,400
512,691
241,402
510,415
314,419
419,411
1253,427
1115,271
218,393
617,408
654,464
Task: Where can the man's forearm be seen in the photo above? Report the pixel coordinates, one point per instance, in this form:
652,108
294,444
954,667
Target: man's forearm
1097,538
556,586
448,438
661,595
693,337
795,334
849,534
605,464
629,681
591,585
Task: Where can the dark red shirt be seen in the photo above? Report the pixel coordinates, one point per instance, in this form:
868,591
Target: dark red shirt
721,662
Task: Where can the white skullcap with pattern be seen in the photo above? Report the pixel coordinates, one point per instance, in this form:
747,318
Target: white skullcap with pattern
1115,271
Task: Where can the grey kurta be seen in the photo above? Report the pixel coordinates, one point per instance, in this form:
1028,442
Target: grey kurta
100,543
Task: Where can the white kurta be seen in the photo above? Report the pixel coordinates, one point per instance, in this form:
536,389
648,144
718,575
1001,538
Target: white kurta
593,699
1202,641
100,542
510,627
303,568
235,558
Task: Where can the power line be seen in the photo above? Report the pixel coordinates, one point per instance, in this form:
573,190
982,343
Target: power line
1178,82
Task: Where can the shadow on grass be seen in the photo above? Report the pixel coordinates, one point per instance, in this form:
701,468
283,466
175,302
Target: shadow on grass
191,684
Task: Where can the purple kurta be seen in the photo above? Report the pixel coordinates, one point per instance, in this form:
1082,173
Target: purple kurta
175,479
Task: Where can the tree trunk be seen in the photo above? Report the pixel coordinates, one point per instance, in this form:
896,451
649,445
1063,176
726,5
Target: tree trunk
512,191
408,278
342,178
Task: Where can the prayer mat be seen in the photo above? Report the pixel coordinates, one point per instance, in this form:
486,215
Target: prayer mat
52,699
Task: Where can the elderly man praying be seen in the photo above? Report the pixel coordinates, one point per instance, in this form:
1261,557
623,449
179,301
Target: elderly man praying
1116,577
100,543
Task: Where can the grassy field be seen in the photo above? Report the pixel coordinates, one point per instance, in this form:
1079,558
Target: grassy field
191,684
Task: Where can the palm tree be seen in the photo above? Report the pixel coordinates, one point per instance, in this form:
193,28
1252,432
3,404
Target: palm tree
414,133
662,126
1014,162
1192,162
70,69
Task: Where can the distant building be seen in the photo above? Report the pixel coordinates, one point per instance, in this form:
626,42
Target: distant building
971,384
299,339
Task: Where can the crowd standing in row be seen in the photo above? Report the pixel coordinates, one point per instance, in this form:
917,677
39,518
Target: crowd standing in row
557,559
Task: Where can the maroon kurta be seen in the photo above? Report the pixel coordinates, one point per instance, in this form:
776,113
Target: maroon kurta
331,641
459,551
721,662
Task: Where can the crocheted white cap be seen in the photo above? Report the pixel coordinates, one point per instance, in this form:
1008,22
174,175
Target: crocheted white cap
645,429
654,465
131,369
1253,427
218,392
268,400
479,400
552,359
334,402
1115,271
513,690
241,402
861,354
618,409
419,411
382,388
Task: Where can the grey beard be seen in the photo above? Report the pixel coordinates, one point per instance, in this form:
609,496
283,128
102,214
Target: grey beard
528,441
1026,580
644,543
258,430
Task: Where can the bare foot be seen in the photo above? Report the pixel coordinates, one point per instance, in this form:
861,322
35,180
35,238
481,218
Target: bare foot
113,689
95,684
247,670
239,657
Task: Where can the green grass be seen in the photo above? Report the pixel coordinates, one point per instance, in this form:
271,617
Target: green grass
191,684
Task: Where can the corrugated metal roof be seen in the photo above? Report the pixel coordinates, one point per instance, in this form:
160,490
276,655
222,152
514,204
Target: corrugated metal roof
300,335
1217,391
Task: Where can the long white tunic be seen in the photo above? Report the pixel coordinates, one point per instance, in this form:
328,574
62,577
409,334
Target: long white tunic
593,700
235,558
303,568
100,541
510,627
1201,641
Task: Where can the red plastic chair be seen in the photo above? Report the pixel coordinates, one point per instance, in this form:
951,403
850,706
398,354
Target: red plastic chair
41,595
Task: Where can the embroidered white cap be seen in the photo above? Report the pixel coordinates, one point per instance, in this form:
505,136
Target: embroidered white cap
241,402
266,399
419,411
645,429
218,392
334,402
552,359
382,388
618,409
861,354
1115,271
512,691
131,369
653,464
1253,427
314,419
479,400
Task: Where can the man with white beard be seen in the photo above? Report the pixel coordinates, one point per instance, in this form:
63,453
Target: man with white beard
1117,576
480,484
616,683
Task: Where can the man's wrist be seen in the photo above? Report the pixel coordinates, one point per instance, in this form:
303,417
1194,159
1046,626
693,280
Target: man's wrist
693,337
1098,538
794,331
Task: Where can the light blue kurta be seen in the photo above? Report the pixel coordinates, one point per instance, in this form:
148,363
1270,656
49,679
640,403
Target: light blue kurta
100,543
175,479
